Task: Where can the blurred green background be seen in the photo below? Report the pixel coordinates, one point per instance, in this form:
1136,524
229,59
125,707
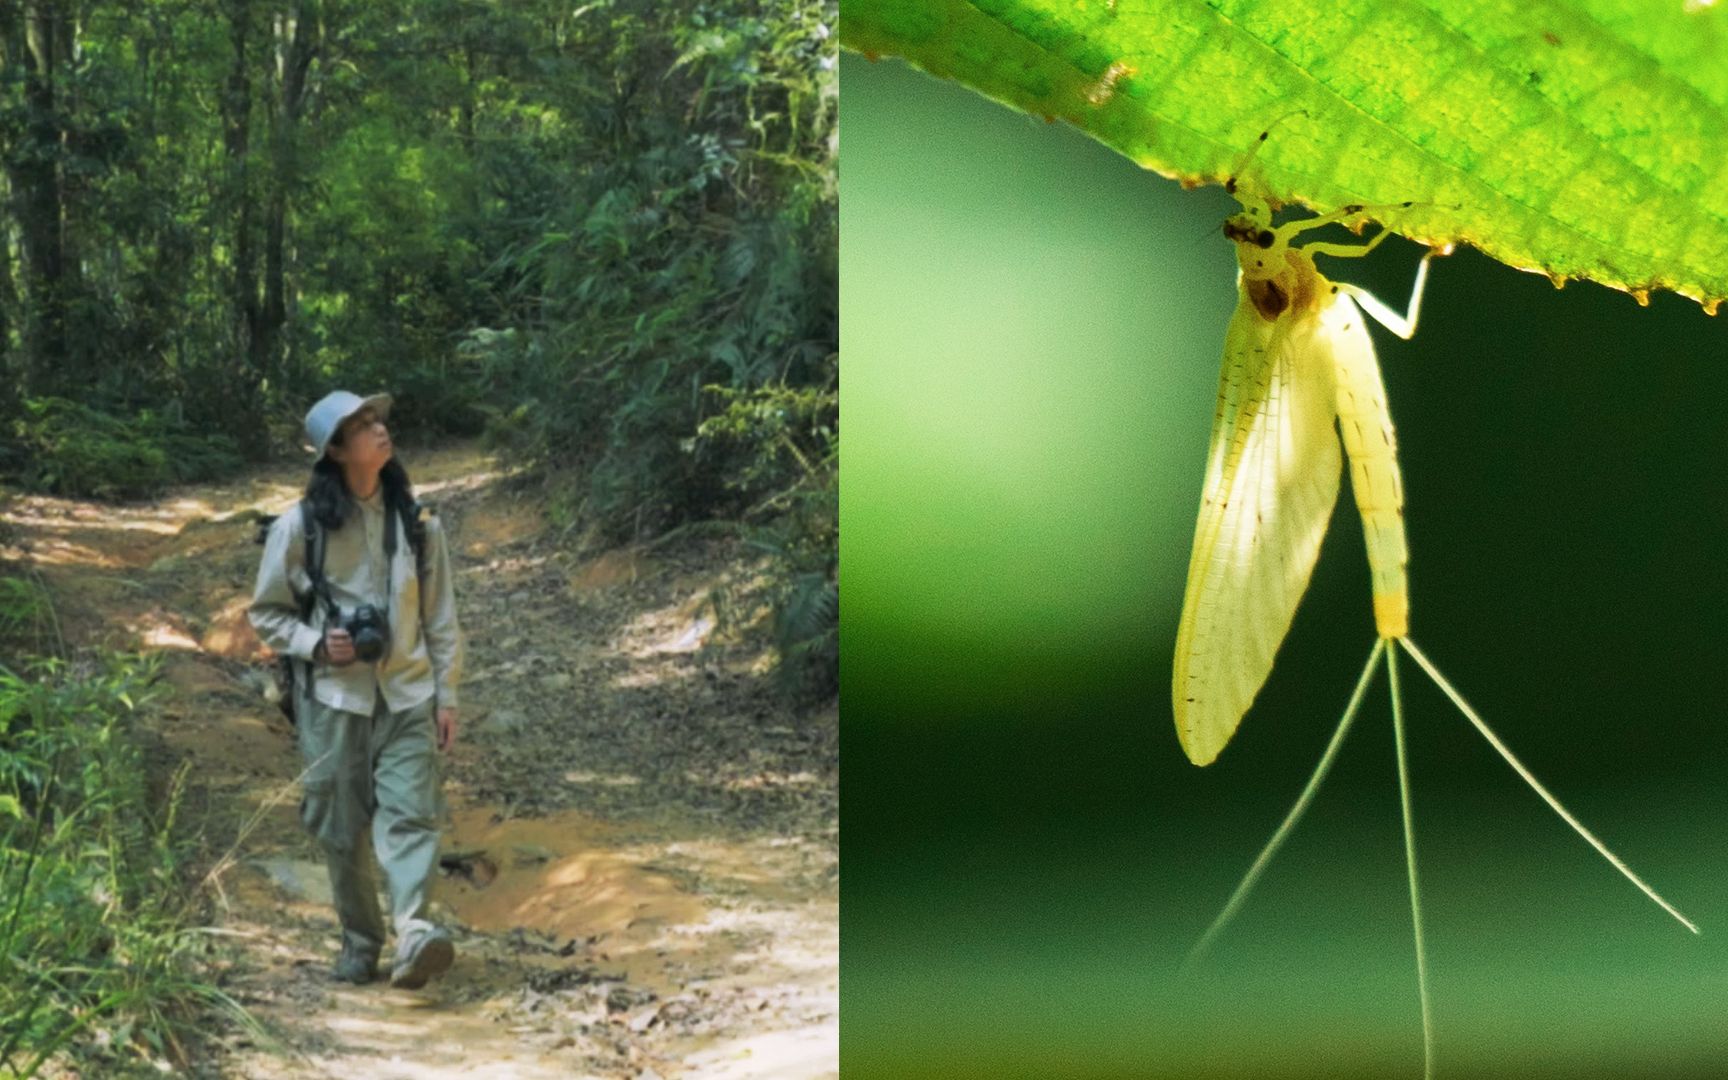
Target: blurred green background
1032,327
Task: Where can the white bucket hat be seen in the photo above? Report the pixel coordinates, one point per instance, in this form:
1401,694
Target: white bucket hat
335,407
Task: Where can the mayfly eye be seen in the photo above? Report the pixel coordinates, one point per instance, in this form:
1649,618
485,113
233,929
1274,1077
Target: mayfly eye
1264,239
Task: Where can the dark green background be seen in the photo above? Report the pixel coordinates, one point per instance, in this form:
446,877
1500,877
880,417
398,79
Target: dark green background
1032,327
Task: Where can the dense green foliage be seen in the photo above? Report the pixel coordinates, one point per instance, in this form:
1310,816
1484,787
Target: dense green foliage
65,445
697,247
785,442
559,223
95,954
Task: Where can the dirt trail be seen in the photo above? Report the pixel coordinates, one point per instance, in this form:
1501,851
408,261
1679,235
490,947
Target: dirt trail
642,847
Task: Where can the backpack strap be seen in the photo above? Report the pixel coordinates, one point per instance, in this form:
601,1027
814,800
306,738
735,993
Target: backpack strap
315,544
409,513
416,536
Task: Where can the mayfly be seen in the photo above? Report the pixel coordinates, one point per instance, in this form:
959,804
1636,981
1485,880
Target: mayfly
1297,361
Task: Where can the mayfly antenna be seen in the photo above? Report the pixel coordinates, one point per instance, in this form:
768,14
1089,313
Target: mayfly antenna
1248,157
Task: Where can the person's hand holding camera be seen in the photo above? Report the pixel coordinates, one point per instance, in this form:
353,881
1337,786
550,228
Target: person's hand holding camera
337,647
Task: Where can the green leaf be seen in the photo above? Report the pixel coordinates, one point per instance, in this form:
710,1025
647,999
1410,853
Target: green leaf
1580,141
11,807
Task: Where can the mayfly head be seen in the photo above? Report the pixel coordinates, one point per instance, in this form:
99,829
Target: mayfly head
1259,245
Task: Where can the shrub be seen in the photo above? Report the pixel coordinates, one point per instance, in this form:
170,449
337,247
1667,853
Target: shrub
96,954
69,448
785,442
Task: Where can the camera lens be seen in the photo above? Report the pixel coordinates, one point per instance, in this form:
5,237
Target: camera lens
370,633
368,645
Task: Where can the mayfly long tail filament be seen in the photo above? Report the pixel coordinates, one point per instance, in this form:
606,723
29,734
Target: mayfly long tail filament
1471,715
1237,898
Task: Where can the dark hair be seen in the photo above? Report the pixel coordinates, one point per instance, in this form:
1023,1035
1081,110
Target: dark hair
331,501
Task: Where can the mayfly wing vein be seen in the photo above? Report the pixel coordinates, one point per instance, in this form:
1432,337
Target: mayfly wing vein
1271,483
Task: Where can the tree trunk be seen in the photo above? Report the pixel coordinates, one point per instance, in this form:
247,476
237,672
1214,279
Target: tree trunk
465,125
10,375
11,48
241,377
297,39
84,342
36,179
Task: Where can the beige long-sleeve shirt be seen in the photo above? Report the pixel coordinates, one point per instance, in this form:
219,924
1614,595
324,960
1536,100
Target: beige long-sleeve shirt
425,656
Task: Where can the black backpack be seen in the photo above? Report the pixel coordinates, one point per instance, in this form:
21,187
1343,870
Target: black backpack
282,671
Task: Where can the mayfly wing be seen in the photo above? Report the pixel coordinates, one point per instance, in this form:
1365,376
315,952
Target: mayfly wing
1365,424
1271,484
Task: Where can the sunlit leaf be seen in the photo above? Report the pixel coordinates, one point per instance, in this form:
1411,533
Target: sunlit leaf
1579,140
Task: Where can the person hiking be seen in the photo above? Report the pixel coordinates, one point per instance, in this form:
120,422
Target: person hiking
367,602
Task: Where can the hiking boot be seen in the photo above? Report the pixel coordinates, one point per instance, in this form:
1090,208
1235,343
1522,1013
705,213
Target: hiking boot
357,965
427,957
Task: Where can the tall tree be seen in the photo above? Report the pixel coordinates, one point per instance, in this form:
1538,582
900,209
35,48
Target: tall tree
32,55
247,316
8,294
298,35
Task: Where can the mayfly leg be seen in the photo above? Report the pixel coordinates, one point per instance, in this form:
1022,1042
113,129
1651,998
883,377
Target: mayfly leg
1343,213
1403,325
1237,898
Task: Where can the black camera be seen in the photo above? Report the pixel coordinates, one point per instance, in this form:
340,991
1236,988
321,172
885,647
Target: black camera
370,631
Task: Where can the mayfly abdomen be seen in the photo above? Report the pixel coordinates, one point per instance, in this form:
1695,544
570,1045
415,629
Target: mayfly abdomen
1365,424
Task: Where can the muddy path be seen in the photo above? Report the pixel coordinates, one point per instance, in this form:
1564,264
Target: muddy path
641,847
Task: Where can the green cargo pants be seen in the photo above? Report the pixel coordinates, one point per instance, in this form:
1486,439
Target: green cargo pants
379,770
